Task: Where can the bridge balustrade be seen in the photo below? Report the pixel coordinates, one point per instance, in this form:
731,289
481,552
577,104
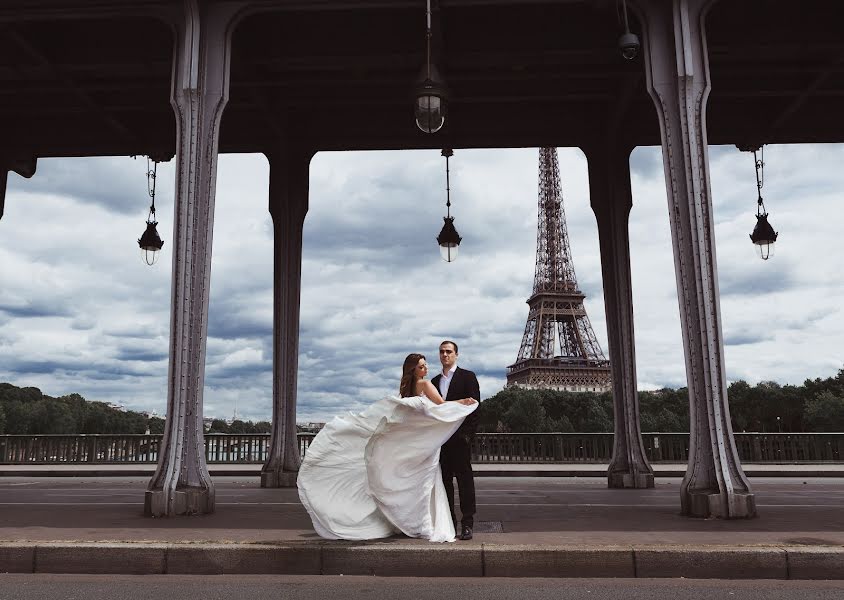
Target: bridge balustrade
221,448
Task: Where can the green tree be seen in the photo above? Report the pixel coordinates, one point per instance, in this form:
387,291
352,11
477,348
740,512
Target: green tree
526,415
218,426
156,425
51,416
18,416
238,426
825,412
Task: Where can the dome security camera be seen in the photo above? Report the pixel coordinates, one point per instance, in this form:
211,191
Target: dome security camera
629,45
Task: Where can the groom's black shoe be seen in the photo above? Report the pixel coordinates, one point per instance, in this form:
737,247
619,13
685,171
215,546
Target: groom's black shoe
466,533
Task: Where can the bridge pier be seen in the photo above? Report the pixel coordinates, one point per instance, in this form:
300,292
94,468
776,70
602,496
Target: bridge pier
289,172
678,81
181,483
611,199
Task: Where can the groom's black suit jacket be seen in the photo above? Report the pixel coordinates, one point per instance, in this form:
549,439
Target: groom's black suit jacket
464,384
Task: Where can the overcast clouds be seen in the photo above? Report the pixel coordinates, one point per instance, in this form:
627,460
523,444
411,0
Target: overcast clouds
80,312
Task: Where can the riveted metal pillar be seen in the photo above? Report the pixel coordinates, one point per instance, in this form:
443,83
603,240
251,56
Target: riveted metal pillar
181,483
678,80
611,199
289,171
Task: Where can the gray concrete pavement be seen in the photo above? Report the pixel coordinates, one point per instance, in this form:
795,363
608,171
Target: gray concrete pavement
258,587
528,526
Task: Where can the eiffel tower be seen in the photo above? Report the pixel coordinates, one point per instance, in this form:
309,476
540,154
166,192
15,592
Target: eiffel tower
559,349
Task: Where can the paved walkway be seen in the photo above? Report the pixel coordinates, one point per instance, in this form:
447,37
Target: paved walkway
528,526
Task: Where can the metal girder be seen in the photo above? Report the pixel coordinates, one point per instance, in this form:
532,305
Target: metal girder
94,108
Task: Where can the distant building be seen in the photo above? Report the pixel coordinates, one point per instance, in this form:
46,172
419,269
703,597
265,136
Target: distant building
312,427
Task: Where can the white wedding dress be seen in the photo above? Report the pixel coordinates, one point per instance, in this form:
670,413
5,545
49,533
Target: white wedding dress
376,473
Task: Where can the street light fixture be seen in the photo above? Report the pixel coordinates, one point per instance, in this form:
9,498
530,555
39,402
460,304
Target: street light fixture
448,239
628,43
150,241
431,95
763,236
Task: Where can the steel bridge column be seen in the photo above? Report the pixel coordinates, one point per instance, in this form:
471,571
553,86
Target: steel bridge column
611,199
289,171
678,81
181,483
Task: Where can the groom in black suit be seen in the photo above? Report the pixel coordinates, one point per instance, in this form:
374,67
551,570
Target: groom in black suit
456,454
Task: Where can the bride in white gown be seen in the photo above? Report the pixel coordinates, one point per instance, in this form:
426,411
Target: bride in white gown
376,473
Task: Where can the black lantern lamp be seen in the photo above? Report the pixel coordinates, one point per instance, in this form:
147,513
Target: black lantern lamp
430,93
763,236
150,241
628,43
448,239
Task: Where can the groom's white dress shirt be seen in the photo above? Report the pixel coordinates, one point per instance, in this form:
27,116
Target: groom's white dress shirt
445,381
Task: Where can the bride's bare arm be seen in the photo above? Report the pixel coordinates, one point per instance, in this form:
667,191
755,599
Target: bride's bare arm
423,386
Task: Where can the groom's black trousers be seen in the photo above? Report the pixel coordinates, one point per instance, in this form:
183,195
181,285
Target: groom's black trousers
456,463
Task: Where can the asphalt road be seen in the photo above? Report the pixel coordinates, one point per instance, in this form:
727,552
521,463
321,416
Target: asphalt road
520,510
222,587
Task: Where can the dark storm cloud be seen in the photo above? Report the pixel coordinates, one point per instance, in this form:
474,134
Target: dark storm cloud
231,376
74,366
741,281
230,318
142,354
393,239
130,331
741,338
34,310
32,366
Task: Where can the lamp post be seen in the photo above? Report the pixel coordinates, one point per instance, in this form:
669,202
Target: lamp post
448,239
763,236
430,94
150,241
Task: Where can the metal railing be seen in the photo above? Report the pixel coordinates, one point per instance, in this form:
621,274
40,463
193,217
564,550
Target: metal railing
221,448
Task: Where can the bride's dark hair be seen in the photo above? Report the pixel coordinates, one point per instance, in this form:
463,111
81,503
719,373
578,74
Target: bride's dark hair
407,387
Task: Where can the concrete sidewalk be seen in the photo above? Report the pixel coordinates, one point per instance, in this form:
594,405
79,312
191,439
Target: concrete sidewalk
529,527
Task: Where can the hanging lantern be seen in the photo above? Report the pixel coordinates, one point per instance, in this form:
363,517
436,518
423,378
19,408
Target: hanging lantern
150,242
448,239
763,236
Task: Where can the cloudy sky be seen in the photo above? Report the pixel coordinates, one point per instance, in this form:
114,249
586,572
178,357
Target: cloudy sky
80,312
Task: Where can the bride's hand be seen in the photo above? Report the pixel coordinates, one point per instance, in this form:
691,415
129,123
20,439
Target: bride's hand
468,401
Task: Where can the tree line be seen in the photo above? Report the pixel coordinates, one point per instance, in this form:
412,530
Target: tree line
28,411
815,406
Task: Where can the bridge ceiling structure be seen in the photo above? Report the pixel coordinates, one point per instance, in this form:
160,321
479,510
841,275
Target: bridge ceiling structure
92,77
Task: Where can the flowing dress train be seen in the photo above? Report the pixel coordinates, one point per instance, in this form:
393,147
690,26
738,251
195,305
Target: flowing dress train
376,473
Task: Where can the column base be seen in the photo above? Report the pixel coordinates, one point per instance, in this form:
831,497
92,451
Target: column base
627,480
719,506
188,501
279,479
